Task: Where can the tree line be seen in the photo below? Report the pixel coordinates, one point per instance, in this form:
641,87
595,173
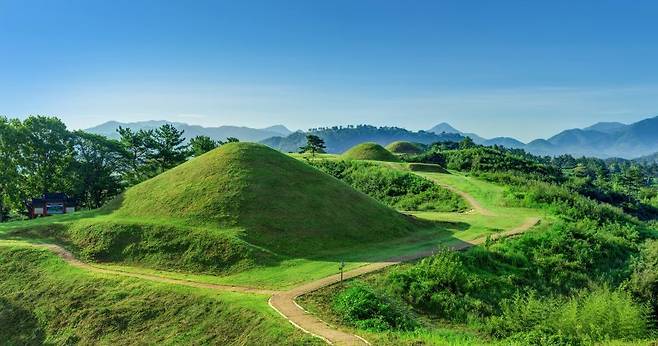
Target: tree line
40,155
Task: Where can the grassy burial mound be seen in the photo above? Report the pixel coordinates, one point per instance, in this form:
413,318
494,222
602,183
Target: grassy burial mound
403,147
369,151
236,206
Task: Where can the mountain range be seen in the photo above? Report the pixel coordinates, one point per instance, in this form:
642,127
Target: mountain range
603,140
245,134
339,139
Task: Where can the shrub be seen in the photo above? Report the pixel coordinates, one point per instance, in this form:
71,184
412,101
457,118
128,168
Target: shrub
439,285
397,189
588,317
363,307
644,279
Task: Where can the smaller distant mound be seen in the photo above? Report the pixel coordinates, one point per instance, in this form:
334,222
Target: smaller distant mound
426,167
403,147
370,151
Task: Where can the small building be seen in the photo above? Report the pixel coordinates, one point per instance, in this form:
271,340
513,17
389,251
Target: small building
51,204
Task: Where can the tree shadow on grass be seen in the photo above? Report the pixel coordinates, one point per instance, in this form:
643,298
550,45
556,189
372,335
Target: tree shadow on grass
19,326
423,242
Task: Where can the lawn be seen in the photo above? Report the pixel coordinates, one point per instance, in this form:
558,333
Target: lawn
44,300
290,271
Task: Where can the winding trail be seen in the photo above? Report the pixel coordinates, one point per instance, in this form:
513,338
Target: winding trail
284,301
474,203
70,259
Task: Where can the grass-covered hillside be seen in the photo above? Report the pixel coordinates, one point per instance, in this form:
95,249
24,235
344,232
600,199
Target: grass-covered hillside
397,188
274,201
45,301
369,151
403,147
240,206
587,275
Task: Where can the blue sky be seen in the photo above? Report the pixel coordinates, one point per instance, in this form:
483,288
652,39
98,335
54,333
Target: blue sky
515,68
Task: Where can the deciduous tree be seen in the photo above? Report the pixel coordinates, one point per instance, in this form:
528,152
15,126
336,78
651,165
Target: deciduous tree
314,145
100,163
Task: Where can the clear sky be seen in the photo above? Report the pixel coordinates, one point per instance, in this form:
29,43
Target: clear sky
518,68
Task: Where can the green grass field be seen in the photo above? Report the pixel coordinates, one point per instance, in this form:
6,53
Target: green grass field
170,243
46,301
90,232
491,197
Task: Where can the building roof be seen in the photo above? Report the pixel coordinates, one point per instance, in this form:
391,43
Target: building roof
56,197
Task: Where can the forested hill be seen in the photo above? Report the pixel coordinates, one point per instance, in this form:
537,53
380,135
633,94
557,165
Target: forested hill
338,139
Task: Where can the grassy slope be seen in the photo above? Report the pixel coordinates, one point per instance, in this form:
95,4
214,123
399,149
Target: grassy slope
288,271
491,196
433,333
43,300
402,147
369,151
280,203
241,206
455,227
284,274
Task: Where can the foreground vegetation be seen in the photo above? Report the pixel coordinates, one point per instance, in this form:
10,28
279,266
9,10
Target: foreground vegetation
45,301
245,214
396,188
589,277
255,229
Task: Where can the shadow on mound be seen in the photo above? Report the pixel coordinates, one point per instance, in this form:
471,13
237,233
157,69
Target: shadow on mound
19,326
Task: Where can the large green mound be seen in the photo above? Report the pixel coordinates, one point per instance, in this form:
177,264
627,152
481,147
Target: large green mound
369,151
403,147
264,197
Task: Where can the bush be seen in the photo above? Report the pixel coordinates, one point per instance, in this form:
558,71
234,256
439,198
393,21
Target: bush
480,159
440,285
644,280
363,307
588,317
397,189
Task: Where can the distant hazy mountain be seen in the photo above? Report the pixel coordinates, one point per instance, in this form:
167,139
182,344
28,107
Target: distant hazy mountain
606,127
339,139
280,129
507,142
652,158
218,133
443,127
604,140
